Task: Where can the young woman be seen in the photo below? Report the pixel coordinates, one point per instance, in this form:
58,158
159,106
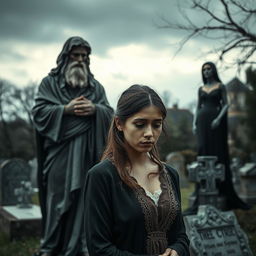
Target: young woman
210,126
132,199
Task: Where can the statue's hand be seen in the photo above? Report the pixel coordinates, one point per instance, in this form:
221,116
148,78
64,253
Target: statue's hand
87,108
215,123
74,104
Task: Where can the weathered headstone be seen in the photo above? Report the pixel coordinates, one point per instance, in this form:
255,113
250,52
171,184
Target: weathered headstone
215,233
206,173
177,160
18,216
12,172
248,183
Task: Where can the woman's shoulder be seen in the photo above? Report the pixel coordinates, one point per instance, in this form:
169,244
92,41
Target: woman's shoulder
105,169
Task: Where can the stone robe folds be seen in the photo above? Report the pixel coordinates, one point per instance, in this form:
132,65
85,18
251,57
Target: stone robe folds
70,145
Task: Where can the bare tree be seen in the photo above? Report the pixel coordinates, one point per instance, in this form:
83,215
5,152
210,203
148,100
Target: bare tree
231,22
24,99
16,126
6,142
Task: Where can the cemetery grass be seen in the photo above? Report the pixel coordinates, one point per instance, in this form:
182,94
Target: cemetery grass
28,246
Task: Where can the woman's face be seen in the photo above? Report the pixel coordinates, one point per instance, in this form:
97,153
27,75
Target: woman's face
207,71
142,130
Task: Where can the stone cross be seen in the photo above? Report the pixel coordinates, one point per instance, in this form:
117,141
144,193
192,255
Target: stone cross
24,194
206,173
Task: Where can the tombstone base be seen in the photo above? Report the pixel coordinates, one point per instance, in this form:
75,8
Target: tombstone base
218,202
17,223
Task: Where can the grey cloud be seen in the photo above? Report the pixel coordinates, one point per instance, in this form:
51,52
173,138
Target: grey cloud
120,76
104,23
9,55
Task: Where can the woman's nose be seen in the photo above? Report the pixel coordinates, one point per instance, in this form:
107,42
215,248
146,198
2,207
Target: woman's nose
148,132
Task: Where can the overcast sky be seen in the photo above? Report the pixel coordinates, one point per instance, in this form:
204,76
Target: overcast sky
127,45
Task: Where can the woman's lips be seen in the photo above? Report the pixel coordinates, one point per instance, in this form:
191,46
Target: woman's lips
147,143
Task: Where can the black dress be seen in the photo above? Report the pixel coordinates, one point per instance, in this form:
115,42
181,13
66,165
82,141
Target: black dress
121,221
214,142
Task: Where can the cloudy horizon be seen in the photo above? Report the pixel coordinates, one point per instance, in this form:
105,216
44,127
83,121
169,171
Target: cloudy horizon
128,47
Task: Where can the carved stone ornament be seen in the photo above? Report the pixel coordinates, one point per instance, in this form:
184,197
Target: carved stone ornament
215,233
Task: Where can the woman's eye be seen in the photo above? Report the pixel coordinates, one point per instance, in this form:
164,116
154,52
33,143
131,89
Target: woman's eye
157,125
139,125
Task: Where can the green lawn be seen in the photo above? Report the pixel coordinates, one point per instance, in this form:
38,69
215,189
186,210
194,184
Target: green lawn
24,247
28,246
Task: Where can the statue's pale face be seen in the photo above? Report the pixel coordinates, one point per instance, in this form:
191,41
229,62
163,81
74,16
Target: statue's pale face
78,54
76,73
207,71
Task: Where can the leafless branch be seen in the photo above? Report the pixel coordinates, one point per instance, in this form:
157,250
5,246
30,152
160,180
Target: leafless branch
234,28
242,8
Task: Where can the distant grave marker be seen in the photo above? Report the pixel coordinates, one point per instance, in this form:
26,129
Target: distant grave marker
206,173
177,160
18,216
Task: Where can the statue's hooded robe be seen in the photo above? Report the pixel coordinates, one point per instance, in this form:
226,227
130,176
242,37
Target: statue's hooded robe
68,146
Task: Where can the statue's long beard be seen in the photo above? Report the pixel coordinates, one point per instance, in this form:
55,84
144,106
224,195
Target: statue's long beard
76,74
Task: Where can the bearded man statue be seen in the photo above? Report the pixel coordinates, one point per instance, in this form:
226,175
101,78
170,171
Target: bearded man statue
71,117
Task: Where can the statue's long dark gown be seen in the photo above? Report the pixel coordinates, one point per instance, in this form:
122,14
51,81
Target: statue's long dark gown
213,142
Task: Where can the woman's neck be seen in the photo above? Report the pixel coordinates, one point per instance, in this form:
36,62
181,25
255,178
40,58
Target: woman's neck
211,81
138,158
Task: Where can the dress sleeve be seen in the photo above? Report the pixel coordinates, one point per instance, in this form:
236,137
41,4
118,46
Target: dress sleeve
98,215
181,244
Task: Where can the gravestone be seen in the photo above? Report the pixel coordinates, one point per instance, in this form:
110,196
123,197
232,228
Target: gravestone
215,233
12,172
248,183
18,216
24,219
206,173
177,160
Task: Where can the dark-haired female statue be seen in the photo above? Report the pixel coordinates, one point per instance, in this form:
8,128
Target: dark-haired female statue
210,126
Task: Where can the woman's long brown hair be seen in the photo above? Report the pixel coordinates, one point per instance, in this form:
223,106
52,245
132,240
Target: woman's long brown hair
132,100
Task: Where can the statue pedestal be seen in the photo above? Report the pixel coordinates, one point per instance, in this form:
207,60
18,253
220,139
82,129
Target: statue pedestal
20,222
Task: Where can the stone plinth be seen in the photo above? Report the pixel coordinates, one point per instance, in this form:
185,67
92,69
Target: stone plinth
20,222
